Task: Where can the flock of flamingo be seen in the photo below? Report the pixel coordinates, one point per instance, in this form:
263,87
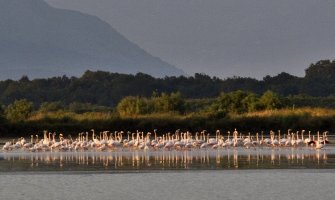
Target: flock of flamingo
108,141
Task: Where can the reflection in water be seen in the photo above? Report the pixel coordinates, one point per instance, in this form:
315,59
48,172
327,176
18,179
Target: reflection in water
168,160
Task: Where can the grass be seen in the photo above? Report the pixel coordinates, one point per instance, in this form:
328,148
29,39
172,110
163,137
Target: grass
59,115
312,112
71,123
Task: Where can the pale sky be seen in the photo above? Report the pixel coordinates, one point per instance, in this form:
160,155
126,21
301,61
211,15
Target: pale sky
223,37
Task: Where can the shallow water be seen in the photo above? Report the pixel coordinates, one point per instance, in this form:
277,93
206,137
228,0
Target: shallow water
285,173
124,161
195,185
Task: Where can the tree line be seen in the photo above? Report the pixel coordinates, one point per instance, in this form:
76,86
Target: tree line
237,102
166,111
106,89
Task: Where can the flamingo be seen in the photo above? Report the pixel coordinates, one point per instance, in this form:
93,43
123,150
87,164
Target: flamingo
179,141
29,145
205,144
299,141
247,142
307,140
320,144
256,143
312,142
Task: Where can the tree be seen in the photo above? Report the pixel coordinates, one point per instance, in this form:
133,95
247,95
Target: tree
251,102
167,103
130,106
222,103
177,102
270,100
233,102
237,103
20,110
163,103
241,102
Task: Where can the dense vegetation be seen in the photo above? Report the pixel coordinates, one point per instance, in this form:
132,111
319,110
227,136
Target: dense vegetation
104,100
107,89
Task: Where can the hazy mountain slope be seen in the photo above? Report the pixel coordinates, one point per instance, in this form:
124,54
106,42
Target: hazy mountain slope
38,40
224,37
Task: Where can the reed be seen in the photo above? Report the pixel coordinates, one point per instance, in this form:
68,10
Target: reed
72,123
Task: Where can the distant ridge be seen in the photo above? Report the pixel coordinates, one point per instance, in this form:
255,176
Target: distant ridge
41,41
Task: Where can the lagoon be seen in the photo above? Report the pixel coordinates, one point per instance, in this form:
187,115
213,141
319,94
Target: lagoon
233,173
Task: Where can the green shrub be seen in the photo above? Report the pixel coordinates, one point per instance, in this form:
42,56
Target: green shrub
19,110
51,107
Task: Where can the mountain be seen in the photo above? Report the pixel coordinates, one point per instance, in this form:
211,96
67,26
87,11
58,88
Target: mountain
224,38
41,41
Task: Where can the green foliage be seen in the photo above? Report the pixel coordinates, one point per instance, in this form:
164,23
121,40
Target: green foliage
78,107
167,103
51,107
270,100
251,102
131,106
198,105
107,89
309,101
322,70
164,103
19,110
236,102
239,102
284,119
222,103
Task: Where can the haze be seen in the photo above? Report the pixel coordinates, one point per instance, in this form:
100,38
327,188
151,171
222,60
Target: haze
223,37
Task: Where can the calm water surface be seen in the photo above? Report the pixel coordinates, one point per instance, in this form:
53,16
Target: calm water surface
198,174
119,161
